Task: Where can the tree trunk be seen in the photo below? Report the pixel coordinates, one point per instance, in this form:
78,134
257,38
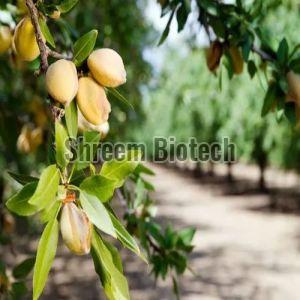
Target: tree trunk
211,168
229,172
262,183
198,172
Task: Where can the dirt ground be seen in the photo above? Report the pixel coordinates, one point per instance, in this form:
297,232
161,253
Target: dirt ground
241,250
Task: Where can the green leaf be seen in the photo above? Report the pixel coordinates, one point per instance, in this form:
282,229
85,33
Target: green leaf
295,65
19,290
124,236
77,177
87,149
182,14
246,47
115,255
84,46
63,154
120,97
283,84
167,29
71,119
114,282
218,27
22,179
290,113
187,235
101,187
97,213
210,6
24,268
270,98
119,170
19,203
50,211
139,192
67,5
283,52
47,188
175,288
179,261
44,258
251,68
141,168
46,32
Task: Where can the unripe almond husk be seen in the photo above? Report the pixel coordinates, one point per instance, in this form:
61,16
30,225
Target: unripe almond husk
213,55
84,125
36,138
5,39
293,80
92,101
62,81
76,229
23,142
237,60
22,8
107,67
29,139
25,42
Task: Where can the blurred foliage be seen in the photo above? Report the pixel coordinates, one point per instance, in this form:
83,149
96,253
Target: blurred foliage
212,107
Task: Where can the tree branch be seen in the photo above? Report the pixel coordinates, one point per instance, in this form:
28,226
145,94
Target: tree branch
264,55
34,15
45,51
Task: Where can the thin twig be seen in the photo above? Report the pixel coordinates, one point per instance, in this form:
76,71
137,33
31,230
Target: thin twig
264,55
154,246
45,51
57,55
34,15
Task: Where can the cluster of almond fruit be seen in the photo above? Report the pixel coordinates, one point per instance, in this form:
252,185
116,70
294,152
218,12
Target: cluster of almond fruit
215,52
106,70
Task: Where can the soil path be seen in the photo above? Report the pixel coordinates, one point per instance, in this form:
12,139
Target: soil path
240,253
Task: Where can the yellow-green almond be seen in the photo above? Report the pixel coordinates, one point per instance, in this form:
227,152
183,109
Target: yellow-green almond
92,101
25,42
107,67
62,81
5,39
76,229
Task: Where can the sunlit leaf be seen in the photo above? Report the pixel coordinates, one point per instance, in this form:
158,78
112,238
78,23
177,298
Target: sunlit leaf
63,153
47,188
97,213
71,119
120,169
46,32
67,5
120,97
19,203
84,46
114,282
45,256
99,186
